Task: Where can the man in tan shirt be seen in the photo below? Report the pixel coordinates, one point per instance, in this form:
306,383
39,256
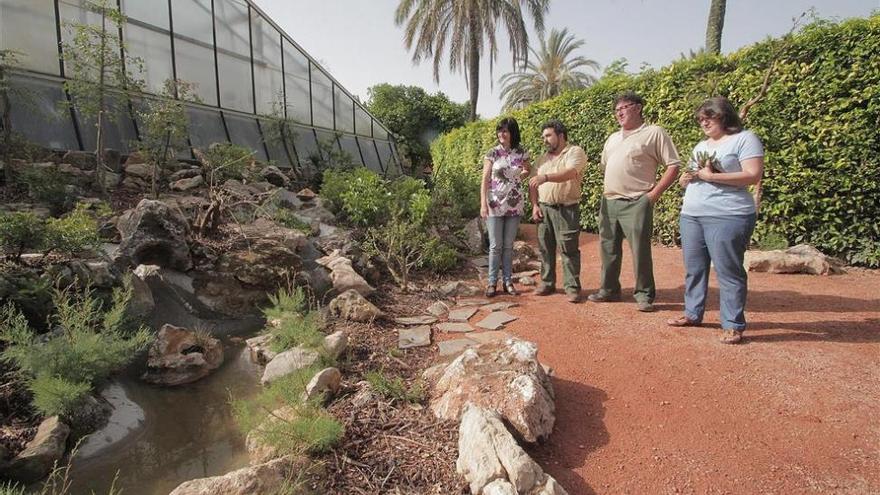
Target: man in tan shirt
555,194
630,160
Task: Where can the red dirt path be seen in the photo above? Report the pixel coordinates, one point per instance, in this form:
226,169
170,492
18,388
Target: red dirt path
647,409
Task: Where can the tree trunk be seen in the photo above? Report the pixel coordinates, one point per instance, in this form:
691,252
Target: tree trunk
99,136
474,75
715,26
6,107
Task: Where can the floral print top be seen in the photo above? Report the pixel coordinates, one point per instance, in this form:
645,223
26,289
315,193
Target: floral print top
505,196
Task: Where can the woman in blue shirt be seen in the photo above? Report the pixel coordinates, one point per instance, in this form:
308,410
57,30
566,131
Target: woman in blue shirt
718,215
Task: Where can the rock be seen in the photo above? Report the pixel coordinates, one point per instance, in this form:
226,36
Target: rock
502,376
462,314
456,288
318,213
187,184
350,305
287,362
263,187
239,190
154,234
496,320
414,337
499,306
259,349
274,176
266,478
186,173
326,381
471,302
75,176
125,418
287,199
415,320
112,180
89,415
523,255
499,487
343,275
40,454
455,347
336,343
140,170
112,160
488,452
438,308
493,336
267,259
96,274
450,327
306,194
798,259
83,160
527,281
181,356
476,237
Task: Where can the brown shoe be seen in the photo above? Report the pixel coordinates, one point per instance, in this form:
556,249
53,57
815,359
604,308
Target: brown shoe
573,297
645,307
491,290
683,321
601,297
544,290
729,336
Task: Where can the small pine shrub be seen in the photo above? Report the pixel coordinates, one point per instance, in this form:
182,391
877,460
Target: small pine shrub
286,302
47,186
395,388
20,232
73,233
439,257
227,161
297,330
291,221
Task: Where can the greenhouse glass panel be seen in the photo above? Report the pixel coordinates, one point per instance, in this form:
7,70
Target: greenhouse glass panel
236,92
296,81
327,139
40,121
153,46
368,151
154,12
205,128
73,13
118,128
388,165
322,99
306,146
195,64
277,153
344,111
28,27
267,66
379,132
234,55
350,147
363,124
192,19
243,131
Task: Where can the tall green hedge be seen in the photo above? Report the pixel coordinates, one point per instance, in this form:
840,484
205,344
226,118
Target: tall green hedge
820,124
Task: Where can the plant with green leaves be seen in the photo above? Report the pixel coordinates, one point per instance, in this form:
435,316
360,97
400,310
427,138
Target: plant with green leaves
47,185
224,161
98,73
74,233
278,130
93,342
8,61
163,126
395,388
20,232
400,245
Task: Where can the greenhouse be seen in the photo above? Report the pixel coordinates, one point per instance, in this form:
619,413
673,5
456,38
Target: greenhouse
241,64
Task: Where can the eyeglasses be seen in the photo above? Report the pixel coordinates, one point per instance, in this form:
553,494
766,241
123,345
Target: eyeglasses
705,118
625,107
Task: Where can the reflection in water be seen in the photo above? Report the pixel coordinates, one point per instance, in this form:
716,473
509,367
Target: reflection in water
188,433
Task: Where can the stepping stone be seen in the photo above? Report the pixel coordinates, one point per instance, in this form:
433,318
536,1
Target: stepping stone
414,337
438,309
416,320
499,306
463,314
472,302
528,273
486,337
527,281
454,347
455,327
496,320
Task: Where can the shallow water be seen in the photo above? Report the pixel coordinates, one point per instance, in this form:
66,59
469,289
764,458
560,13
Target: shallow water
188,432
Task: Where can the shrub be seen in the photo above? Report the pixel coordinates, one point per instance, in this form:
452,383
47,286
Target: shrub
395,388
92,343
291,221
400,245
226,161
439,256
366,200
20,232
73,233
292,323
818,123
335,183
47,186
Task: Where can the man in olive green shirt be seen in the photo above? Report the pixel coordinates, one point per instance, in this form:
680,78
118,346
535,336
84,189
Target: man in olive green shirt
555,194
630,159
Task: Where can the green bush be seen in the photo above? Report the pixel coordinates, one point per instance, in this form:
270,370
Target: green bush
366,200
227,161
439,256
73,233
395,388
20,232
47,186
818,123
292,322
92,343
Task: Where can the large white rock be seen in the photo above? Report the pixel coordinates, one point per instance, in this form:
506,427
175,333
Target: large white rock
343,275
798,259
40,454
326,381
351,305
336,343
287,362
264,478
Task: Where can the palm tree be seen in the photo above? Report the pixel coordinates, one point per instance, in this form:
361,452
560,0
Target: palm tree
468,27
553,70
715,25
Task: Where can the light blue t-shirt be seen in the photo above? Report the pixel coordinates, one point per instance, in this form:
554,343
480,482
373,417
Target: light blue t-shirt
712,199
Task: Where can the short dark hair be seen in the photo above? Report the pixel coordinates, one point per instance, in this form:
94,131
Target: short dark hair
719,107
509,124
557,126
629,96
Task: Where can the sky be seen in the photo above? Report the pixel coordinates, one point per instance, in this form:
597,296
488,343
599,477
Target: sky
359,44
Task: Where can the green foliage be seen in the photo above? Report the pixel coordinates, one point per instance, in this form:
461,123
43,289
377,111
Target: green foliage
47,185
395,388
292,322
400,246
12,488
439,257
365,201
92,343
73,233
415,117
20,232
818,123
291,221
226,161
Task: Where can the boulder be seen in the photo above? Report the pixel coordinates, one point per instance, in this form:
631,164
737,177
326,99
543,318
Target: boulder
40,454
318,213
139,170
343,275
287,199
181,356
239,190
83,160
154,233
326,381
96,274
504,376
306,194
438,308
268,256
350,305
259,349
266,478
798,259
336,343
274,176
186,173
112,180
287,362
457,288
476,236
112,160
187,184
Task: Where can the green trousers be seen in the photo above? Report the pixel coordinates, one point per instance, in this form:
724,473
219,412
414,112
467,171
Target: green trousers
633,220
561,227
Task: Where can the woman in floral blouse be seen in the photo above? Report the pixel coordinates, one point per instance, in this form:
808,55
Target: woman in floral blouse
501,201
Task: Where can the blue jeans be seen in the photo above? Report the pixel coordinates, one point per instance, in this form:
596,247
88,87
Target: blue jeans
723,242
502,233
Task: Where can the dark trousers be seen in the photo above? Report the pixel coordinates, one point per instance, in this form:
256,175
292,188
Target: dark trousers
561,227
633,220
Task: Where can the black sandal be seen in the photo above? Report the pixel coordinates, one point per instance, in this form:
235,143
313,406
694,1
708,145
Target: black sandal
491,291
509,289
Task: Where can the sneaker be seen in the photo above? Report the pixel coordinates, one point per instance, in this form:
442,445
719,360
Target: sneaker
491,290
730,336
645,307
509,289
600,297
573,297
544,290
